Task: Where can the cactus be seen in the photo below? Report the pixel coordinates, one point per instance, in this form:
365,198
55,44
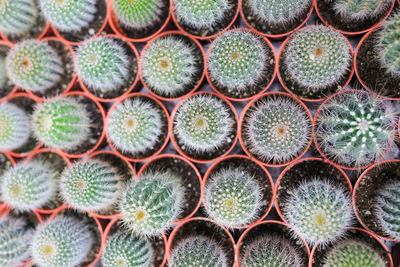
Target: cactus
388,45
271,251
317,57
102,64
3,74
124,249
61,123
14,126
69,15
203,123
34,65
318,211
135,125
277,129
29,185
353,253
236,60
198,251
17,16
14,241
149,206
233,197
64,241
387,205
169,65
355,128
361,9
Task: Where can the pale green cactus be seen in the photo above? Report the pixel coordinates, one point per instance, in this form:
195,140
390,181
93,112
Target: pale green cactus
17,16
361,9
15,127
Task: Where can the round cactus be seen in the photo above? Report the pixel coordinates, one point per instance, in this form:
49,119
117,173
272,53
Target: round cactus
388,45
318,211
198,251
34,65
276,129
233,197
102,64
61,123
69,15
14,126
91,185
3,73
355,128
361,9
17,16
150,205
29,185
124,249
64,241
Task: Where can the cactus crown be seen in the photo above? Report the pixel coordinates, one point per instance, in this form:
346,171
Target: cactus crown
355,128
101,63
14,126
388,45
150,205
319,211
198,250
34,65
277,129
17,16
90,185
233,197
125,249
360,9
64,241
353,253
61,123
69,15
317,57
236,59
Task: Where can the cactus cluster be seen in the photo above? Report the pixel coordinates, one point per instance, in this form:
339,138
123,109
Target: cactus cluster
360,9
17,16
14,126
388,45
355,128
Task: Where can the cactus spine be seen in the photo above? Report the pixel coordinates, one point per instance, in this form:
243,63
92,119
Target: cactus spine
14,126
17,16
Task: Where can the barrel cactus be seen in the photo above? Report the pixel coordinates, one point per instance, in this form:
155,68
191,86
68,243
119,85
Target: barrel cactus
361,9
388,45
3,73
14,126
17,16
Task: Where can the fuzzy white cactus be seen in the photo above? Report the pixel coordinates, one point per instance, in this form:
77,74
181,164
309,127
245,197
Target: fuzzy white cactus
15,127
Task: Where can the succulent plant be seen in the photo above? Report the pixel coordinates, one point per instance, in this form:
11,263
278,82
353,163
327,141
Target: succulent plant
276,129
17,16
353,253
34,65
102,64
388,45
14,126
198,251
318,211
64,241
14,241
29,185
69,15
233,197
61,123
3,73
317,57
270,251
125,249
361,9
135,125
236,60
150,205
92,185
355,128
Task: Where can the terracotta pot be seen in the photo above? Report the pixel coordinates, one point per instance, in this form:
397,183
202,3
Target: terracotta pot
5,46
262,176
46,30
144,51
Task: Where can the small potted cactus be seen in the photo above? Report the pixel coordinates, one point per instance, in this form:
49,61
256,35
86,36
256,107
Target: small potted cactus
6,86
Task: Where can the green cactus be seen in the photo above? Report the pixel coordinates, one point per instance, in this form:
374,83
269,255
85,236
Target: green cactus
14,126
17,16
3,73
361,9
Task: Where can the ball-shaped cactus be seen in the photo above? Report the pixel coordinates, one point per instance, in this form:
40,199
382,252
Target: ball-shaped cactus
64,241
125,249
61,123
236,60
318,211
102,64
198,251
29,185
317,57
14,126
69,15
276,129
150,205
233,197
361,9
17,16
3,73
355,128
92,185
388,45
34,65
